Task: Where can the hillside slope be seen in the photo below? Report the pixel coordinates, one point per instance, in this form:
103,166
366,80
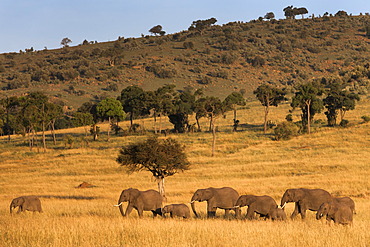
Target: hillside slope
221,59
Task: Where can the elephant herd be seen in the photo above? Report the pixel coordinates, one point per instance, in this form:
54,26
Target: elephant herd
337,209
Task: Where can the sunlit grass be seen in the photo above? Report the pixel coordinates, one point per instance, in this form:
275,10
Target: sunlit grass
335,159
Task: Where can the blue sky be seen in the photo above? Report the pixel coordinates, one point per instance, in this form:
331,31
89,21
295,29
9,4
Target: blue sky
44,23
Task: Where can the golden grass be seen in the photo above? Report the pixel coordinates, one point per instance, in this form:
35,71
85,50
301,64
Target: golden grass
333,159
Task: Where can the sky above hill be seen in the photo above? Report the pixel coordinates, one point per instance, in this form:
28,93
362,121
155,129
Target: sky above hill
44,23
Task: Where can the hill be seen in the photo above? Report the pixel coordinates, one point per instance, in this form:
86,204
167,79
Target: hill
220,59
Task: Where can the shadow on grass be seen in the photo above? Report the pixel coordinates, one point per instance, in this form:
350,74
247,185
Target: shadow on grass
89,198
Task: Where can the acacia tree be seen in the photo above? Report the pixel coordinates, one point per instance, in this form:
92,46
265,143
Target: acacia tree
307,98
65,42
157,30
134,101
162,158
231,102
339,101
110,108
269,96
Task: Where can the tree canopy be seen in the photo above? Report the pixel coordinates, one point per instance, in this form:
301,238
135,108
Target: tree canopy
162,158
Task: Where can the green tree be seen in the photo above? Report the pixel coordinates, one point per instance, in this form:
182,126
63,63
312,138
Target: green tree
109,109
134,101
211,107
82,119
65,42
269,96
90,108
307,98
162,158
156,30
339,101
231,102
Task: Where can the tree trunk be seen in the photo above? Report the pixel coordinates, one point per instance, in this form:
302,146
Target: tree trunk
265,122
160,123
308,103
161,187
155,122
108,128
198,124
213,137
52,123
95,134
131,120
43,136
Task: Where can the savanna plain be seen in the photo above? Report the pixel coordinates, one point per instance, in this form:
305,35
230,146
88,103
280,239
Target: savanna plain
334,159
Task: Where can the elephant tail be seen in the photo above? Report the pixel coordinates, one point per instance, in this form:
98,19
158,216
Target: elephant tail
193,208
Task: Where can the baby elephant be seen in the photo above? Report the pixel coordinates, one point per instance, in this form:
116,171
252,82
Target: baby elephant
179,210
280,214
29,203
339,213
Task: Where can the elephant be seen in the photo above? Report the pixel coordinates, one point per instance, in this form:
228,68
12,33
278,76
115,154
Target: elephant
149,200
223,198
26,203
179,210
305,199
265,206
281,215
347,201
340,213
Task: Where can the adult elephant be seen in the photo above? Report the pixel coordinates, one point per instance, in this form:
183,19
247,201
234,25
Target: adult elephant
26,203
265,206
223,198
305,199
149,200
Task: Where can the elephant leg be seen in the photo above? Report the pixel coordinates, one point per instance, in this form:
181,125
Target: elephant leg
140,212
211,211
296,211
227,213
238,212
250,213
20,209
128,210
302,210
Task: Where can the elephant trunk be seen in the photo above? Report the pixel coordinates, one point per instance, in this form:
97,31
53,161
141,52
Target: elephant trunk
284,200
120,207
193,208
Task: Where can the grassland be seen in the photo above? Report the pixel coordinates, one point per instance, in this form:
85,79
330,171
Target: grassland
335,159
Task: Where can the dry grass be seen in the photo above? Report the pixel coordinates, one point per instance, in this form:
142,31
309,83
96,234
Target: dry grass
333,159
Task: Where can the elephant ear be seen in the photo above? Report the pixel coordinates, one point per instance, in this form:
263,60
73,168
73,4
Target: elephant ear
133,194
297,194
208,193
250,199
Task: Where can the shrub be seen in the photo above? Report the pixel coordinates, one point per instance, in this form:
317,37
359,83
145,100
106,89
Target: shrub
344,123
205,80
68,140
285,131
188,45
366,119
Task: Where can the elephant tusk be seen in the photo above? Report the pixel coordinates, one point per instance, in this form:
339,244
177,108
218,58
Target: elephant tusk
118,205
283,205
236,207
192,201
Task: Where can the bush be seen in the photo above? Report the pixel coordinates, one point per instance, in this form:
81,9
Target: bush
366,119
344,123
285,131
